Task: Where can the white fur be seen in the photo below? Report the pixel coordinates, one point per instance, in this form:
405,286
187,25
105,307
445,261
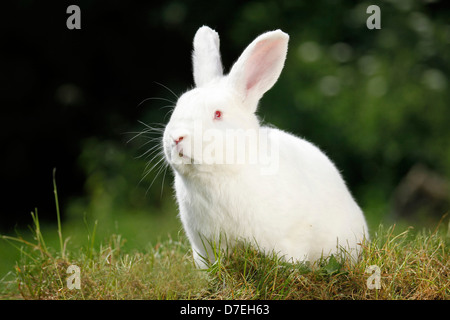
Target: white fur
302,211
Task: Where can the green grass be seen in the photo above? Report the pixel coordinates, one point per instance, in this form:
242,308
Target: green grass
414,265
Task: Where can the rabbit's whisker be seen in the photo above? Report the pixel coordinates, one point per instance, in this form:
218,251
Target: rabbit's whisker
160,129
170,90
146,173
155,98
149,152
161,167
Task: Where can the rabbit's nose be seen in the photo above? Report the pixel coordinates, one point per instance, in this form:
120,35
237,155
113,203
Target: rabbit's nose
177,140
178,135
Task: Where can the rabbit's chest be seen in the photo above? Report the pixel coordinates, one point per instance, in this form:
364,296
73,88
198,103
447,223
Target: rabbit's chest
219,202
220,206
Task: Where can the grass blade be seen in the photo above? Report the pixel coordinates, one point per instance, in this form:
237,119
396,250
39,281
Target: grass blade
58,214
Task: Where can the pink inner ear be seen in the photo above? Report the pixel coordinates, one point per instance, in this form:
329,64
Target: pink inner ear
262,59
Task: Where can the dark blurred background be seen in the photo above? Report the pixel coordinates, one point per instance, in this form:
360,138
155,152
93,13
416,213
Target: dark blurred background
376,101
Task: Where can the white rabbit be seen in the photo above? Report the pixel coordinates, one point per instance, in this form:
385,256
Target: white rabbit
289,199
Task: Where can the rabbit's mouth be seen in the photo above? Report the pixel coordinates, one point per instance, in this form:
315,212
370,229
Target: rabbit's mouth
185,157
177,156
182,154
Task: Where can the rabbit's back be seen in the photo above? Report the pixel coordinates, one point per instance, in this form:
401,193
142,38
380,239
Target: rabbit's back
321,210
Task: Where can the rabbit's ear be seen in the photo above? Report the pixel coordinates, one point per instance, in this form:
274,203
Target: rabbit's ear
206,60
259,67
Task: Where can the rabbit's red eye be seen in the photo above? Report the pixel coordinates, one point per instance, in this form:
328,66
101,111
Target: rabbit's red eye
218,115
